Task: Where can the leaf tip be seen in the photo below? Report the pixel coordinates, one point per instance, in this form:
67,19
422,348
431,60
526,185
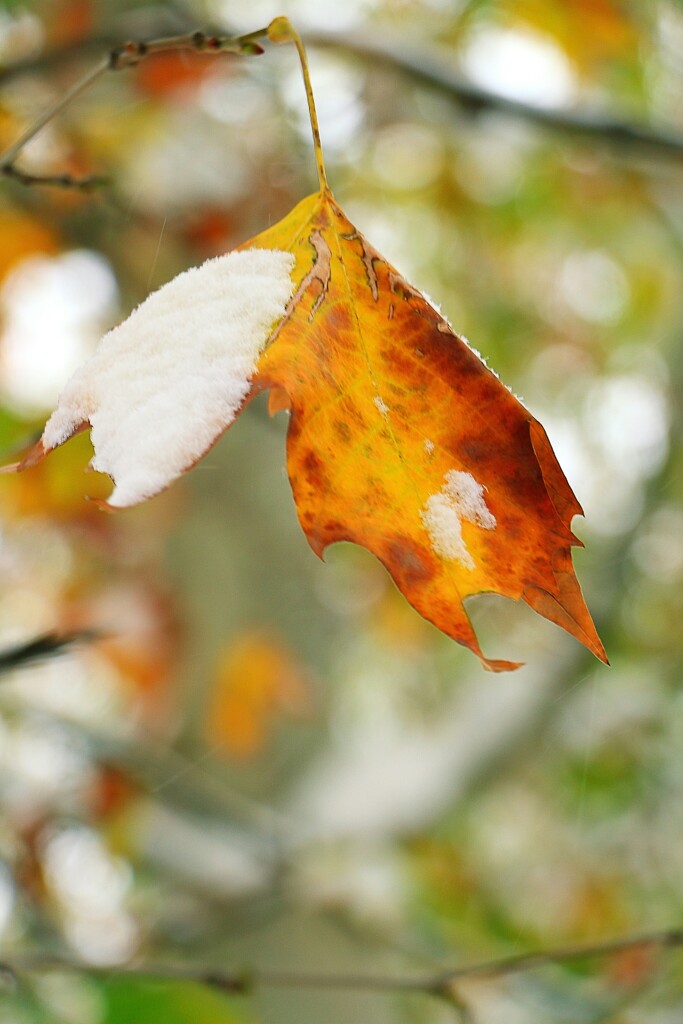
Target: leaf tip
500,665
601,654
102,505
33,456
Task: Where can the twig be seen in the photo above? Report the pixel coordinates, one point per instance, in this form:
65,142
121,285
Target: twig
424,66
49,645
440,985
10,155
85,184
671,938
126,56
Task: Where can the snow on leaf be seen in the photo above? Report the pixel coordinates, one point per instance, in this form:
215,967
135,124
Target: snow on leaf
164,384
461,497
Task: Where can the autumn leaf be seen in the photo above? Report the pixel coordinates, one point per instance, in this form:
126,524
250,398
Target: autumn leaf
258,678
400,438
173,73
164,384
591,32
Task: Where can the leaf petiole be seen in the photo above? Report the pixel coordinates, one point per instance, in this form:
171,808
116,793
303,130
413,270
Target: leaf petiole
281,30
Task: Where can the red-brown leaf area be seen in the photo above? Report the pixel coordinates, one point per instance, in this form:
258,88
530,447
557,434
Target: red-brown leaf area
387,401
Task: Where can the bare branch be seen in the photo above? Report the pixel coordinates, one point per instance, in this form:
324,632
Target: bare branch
440,985
423,66
10,155
668,939
87,184
426,68
49,645
125,56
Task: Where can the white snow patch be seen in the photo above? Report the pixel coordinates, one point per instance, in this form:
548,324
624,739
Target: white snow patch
435,306
495,373
428,446
381,405
461,497
164,384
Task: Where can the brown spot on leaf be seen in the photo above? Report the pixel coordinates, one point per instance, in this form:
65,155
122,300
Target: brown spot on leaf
314,469
409,561
342,430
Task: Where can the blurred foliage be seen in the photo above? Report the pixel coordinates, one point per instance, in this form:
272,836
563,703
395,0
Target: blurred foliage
353,792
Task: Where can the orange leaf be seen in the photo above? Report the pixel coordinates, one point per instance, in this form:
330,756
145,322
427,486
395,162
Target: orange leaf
589,31
257,677
402,440
22,236
164,73
70,21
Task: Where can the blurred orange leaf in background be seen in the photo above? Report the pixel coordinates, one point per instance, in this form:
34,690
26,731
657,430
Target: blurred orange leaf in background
70,21
20,236
54,489
165,74
258,678
589,31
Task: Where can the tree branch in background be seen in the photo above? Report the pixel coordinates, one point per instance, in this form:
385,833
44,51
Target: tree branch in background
442,986
421,65
427,68
125,56
49,645
85,184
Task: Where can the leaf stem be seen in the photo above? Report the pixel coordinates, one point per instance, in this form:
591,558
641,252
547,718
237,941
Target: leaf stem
281,30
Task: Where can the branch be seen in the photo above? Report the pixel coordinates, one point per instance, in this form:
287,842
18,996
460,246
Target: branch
86,184
125,56
49,645
671,938
425,67
439,985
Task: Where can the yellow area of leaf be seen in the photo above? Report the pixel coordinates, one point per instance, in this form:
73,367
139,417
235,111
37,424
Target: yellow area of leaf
54,487
258,678
401,440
